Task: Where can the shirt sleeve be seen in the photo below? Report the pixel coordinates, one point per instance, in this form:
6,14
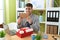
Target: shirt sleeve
22,24
35,25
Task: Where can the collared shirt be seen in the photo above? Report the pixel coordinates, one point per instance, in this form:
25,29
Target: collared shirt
35,23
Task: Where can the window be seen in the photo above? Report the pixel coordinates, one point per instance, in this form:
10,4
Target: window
1,11
37,3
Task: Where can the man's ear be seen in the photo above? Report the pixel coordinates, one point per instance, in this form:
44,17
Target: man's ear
32,9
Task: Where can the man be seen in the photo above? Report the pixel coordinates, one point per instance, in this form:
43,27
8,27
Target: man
31,21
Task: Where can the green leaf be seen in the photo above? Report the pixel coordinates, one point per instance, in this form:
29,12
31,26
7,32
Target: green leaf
2,34
38,37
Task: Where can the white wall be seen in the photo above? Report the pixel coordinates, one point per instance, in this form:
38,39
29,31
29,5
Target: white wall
1,11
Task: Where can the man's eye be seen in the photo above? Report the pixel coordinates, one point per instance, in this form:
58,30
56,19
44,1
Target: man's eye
29,9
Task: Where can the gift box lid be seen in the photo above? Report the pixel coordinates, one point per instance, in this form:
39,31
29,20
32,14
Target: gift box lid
24,30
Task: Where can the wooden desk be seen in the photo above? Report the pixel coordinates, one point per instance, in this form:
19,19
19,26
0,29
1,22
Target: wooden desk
15,37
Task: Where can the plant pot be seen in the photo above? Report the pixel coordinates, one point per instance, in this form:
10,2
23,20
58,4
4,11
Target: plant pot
2,38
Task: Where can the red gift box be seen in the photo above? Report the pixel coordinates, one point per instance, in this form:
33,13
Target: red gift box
24,32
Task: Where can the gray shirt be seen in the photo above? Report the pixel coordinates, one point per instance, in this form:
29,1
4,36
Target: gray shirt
35,25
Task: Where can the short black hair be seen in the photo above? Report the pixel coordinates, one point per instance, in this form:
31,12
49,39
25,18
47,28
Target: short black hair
29,5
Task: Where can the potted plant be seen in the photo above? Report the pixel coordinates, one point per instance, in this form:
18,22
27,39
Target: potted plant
2,35
38,37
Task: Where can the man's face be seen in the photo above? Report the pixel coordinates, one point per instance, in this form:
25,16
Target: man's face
28,10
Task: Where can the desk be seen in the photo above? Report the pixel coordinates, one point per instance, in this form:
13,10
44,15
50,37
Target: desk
15,37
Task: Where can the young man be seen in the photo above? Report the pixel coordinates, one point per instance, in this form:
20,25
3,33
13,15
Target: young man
31,21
